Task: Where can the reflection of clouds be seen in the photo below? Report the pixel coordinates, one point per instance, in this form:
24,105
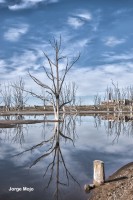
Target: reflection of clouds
89,138
4,150
10,146
90,144
99,141
94,144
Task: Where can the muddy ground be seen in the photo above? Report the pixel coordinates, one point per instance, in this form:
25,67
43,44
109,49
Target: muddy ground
119,186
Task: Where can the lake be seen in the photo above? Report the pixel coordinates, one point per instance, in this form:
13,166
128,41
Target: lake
55,161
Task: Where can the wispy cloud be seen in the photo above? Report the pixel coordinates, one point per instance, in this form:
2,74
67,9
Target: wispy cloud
25,4
28,59
3,65
112,57
4,70
113,41
79,19
85,15
75,22
122,11
13,34
19,64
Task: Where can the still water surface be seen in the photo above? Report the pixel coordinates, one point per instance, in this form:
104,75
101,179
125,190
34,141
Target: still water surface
58,165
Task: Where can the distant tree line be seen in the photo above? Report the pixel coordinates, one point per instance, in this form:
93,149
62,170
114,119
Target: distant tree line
115,96
13,95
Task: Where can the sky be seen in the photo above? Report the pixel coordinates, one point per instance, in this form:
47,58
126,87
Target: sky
100,30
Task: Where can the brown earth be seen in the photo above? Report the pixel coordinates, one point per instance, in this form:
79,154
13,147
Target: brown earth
119,186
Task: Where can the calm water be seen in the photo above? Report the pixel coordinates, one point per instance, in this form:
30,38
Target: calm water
62,163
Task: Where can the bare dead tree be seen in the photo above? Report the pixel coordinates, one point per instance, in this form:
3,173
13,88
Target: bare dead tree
20,97
56,77
108,96
97,100
44,98
6,93
131,92
117,92
68,97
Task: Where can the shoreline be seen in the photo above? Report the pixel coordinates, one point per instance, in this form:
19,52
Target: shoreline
118,186
24,112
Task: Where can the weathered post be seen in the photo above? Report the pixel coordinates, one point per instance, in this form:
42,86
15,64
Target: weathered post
99,174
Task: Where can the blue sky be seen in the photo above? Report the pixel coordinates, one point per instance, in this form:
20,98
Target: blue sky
100,30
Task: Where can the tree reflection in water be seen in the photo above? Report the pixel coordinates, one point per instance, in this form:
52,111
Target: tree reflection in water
62,131
115,126
14,133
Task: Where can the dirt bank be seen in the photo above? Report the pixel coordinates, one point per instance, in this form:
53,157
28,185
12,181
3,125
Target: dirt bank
119,186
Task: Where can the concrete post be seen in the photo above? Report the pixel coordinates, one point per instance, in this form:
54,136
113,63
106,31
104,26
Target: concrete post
99,174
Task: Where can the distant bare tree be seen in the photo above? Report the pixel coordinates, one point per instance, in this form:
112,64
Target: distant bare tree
68,96
117,92
44,98
97,100
6,96
19,95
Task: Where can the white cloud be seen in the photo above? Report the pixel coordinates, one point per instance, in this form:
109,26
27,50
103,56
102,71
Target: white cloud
14,34
119,57
85,15
2,63
75,22
79,19
18,6
2,1
113,41
3,66
26,60
28,4
122,11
